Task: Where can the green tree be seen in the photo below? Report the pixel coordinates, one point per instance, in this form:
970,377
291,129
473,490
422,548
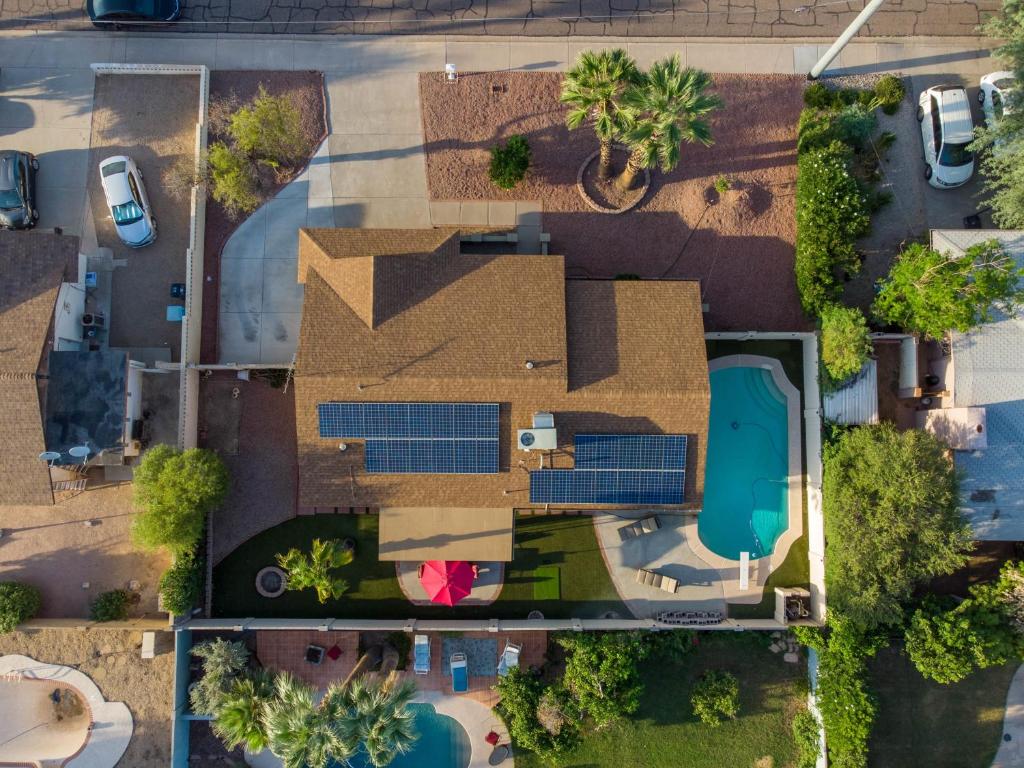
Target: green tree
305,733
528,708
845,341
891,520
316,569
715,697
181,585
234,182
174,492
18,603
378,716
594,89
670,105
931,292
269,130
239,719
223,663
602,673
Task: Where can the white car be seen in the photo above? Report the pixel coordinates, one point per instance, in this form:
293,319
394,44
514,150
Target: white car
995,87
944,112
127,200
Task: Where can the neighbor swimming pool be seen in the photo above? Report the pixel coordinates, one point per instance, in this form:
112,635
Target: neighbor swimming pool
443,743
746,505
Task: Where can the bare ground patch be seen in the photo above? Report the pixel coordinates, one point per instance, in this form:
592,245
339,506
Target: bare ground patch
742,253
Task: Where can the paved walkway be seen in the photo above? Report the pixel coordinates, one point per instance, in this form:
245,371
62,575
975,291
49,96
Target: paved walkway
1011,753
657,18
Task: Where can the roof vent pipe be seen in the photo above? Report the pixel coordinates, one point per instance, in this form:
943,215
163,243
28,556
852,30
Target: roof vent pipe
529,365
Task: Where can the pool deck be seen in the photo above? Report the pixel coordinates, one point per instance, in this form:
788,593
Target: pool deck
760,568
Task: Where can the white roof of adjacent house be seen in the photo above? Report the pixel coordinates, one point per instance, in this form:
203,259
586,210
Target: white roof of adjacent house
857,401
988,371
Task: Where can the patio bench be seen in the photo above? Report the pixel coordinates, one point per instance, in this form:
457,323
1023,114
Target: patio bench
639,528
657,580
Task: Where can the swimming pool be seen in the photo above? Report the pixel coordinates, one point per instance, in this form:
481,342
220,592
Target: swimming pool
746,503
443,743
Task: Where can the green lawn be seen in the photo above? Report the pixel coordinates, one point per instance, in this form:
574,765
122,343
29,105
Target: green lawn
946,726
581,588
665,734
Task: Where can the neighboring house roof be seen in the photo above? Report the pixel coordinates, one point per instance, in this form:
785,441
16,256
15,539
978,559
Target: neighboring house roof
609,356
856,402
988,371
32,268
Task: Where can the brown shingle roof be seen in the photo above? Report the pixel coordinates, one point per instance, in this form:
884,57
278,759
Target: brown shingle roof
31,270
630,359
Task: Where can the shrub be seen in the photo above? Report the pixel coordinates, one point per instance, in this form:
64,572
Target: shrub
602,673
174,491
181,177
182,584
673,645
845,341
854,125
885,141
315,571
509,162
716,697
806,735
18,603
889,93
110,606
818,96
831,213
223,663
233,180
524,701
269,130
723,184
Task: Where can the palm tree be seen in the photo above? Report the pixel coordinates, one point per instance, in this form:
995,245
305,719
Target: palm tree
223,662
315,569
668,106
379,716
239,721
303,733
594,87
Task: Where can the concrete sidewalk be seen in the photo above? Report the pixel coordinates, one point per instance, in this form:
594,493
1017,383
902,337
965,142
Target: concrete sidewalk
1011,748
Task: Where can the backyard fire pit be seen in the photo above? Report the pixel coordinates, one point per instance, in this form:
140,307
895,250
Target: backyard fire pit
271,581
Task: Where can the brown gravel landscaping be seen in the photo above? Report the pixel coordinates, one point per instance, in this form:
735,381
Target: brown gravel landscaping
740,246
306,89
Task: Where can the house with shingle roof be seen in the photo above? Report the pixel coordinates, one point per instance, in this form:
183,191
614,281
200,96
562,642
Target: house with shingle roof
399,320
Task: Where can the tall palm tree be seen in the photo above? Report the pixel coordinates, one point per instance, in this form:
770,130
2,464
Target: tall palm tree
302,732
239,721
669,107
594,87
315,570
379,716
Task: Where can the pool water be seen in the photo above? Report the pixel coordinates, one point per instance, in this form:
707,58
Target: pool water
746,506
443,743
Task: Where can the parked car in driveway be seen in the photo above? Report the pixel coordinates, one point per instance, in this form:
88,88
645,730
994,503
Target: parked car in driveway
18,190
121,14
944,112
992,95
126,198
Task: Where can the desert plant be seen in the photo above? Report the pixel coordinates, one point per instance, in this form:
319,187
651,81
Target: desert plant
110,606
889,93
182,584
18,603
316,569
510,162
670,105
845,341
182,176
723,184
269,130
593,88
174,492
239,719
233,180
715,697
223,662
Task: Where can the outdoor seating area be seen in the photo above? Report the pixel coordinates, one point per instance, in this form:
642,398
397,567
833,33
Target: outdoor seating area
656,580
509,659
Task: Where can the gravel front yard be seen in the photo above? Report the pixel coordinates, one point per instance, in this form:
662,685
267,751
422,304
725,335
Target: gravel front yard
740,247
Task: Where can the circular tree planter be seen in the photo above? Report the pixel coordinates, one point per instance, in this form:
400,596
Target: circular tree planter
601,195
271,581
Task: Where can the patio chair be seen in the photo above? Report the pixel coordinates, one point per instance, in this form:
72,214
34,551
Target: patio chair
460,673
509,658
421,648
639,528
656,580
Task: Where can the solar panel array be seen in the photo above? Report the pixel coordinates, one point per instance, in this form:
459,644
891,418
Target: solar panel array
434,438
649,452
617,469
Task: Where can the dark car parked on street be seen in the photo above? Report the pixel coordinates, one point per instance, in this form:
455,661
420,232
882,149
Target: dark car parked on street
18,190
122,14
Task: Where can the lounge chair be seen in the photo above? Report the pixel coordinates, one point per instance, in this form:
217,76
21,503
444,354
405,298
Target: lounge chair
460,673
639,528
652,579
509,658
421,648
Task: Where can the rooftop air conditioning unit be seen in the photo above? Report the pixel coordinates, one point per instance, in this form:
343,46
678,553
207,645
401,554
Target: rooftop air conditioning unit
542,437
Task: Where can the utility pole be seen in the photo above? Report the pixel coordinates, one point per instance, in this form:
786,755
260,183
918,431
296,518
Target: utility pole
838,45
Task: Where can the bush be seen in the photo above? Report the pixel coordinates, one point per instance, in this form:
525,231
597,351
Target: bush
818,96
174,491
854,125
673,645
716,697
18,603
233,180
723,184
845,341
269,130
182,584
889,93
110,606
223,662
525,701
509,162
806,735
831,213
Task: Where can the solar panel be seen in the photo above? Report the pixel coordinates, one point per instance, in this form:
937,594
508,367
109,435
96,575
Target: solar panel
399,421
567,486
446,457
643,452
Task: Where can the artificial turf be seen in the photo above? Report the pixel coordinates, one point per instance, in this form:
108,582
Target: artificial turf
546,587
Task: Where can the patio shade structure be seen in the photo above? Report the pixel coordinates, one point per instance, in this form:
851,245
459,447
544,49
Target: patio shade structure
447,581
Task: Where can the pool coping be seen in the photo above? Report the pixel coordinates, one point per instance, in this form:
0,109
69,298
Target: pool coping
111,725
476,718
762,567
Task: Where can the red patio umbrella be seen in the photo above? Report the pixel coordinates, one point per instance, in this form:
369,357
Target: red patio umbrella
446,581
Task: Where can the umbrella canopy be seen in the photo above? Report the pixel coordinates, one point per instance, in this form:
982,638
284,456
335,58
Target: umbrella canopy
447,581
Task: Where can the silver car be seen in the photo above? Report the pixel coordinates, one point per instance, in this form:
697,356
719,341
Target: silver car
126,198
